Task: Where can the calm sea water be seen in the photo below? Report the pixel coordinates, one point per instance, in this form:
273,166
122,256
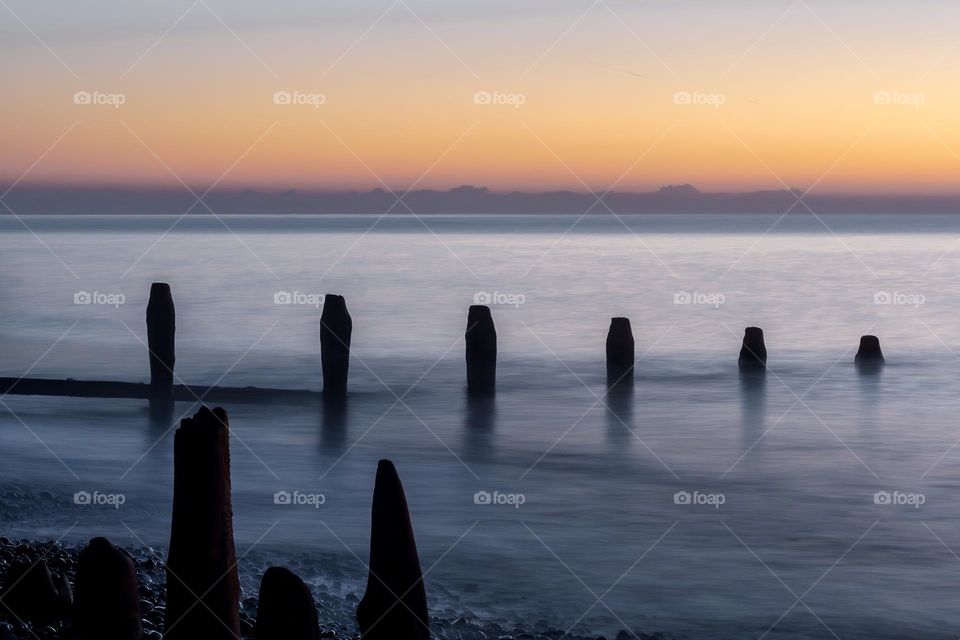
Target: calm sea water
799,547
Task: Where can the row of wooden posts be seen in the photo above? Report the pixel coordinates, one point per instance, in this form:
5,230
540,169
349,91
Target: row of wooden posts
336,328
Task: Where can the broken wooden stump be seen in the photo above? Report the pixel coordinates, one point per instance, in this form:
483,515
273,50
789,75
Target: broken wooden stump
203,589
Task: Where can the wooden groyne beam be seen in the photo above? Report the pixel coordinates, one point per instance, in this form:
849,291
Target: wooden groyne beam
144,391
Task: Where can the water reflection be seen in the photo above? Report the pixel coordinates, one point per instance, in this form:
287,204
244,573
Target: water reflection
753,406
479,425
619,413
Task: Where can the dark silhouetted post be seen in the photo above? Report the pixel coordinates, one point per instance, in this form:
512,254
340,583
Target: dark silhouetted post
336,328
286,610
202,558
753,353
869,354
394,606
107,603
481,338
161,338
620,354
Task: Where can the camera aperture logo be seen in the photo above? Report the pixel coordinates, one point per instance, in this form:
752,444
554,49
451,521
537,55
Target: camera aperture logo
699,298
299,499
697,498
299,99
99,99
699,99
98,499
498,98
98,298
499,499
899,499
499,298
899,298
299,298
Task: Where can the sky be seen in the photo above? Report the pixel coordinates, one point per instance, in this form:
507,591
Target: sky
841,96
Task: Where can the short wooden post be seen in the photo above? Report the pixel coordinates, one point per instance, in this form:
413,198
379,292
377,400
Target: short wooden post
481,351
620,352
869,353
753,353
336,329
161,338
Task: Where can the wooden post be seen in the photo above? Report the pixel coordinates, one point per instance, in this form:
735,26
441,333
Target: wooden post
201,563
106,603
753,353
481,352
394,606
620,352
869,353
161,334
286,610
336,329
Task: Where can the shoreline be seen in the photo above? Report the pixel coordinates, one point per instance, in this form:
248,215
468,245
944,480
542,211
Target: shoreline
335,612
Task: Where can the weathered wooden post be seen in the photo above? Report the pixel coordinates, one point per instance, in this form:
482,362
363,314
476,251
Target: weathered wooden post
203,589
481,351
106,603
394,606
869,354
753,353
336,329
286,610
620,352
161,338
